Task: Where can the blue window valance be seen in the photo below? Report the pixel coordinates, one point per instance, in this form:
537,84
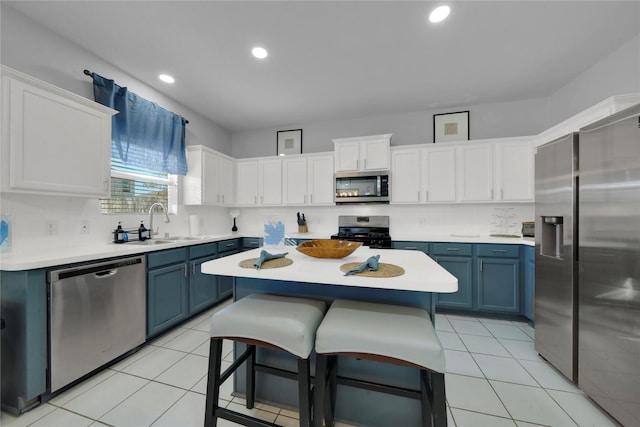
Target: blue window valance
143,133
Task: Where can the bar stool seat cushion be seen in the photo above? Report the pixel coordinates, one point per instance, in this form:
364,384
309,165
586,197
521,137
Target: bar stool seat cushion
399,332
289,323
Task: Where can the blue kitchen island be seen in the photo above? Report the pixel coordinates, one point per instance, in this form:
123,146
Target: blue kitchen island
323,279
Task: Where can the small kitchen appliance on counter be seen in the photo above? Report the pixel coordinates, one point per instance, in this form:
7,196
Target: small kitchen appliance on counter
372,231
528,228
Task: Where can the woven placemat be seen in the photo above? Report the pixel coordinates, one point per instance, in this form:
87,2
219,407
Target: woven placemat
384,270
272,263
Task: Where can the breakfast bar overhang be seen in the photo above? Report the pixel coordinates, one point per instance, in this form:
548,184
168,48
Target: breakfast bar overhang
322,278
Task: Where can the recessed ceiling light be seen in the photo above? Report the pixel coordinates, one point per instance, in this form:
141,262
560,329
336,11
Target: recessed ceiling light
166,78
439,14
259,52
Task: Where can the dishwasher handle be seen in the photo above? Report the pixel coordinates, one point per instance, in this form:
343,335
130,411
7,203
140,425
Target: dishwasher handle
105,274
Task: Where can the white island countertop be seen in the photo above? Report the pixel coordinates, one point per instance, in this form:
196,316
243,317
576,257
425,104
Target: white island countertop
421,274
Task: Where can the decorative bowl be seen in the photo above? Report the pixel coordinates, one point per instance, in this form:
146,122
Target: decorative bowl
326,248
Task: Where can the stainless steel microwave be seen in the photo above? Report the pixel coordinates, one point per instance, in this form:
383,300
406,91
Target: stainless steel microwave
362,187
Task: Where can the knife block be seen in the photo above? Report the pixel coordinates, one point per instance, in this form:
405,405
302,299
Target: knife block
302,228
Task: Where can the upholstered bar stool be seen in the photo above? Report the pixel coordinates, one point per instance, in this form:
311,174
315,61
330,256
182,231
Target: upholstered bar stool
272,321
386,333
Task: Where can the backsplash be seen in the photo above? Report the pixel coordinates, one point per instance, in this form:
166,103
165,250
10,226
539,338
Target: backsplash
45,223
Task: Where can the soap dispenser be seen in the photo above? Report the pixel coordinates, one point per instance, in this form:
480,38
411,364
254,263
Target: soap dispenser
118,234
143,233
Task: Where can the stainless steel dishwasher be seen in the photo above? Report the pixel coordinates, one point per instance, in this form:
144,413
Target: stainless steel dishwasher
96,313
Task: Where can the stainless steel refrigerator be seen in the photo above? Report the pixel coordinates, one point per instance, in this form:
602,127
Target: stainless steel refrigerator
609,264
587,296
556,230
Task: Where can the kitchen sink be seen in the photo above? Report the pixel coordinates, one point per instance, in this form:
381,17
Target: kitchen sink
152,242
185,238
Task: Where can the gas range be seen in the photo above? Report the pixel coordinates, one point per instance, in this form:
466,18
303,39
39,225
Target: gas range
372,231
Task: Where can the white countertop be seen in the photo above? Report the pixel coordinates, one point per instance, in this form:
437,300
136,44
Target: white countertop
69,255
422,273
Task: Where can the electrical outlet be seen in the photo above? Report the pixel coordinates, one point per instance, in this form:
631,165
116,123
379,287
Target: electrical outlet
51,227
84,227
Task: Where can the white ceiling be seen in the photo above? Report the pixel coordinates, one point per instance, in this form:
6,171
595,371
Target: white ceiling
330,60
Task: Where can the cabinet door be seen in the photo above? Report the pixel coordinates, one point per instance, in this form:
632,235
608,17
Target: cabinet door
499,285
225,179
529,282
514,171
46,133
270,182
203,288
475,173
167,297
405,172
347,156
210,194
225,283
294,175
374,154
321,182
438,174
247,183
462,269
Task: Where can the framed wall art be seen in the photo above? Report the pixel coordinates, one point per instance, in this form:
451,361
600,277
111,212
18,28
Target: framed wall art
451,127
289,142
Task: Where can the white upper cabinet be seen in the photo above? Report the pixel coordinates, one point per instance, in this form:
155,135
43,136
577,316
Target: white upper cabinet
210,177
294,177
308,179
53,141
475,172
514,170
423,175
259,182
362,153
438,174
405,175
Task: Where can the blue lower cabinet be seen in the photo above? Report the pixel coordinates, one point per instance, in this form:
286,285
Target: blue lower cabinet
413,246
529,282
203,288
498,285
462,269
225,283
167,297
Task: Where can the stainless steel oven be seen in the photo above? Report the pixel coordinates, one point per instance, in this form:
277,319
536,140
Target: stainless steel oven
362,187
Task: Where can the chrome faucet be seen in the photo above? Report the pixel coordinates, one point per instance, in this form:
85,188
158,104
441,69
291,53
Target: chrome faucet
166,218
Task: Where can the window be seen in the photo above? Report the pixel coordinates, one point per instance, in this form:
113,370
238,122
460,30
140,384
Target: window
134,189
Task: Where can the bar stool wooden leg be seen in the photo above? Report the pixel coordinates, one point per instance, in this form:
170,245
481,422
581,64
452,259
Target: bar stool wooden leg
304,392
426,396
251,377
332,390
213,382
439,399
319,391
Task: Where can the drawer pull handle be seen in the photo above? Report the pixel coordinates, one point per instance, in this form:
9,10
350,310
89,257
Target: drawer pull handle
453,249
229,245
500,250
411,247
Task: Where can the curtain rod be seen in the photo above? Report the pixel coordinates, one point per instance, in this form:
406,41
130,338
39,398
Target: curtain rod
90,74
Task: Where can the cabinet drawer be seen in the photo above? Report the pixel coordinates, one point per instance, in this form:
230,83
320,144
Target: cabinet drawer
500,251
412,246
228,245
452,249
170,256
199,251
250,242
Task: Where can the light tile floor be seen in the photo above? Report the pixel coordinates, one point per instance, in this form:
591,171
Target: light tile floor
494,378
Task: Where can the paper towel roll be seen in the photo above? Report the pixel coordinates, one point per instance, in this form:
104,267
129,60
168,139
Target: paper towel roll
194,225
